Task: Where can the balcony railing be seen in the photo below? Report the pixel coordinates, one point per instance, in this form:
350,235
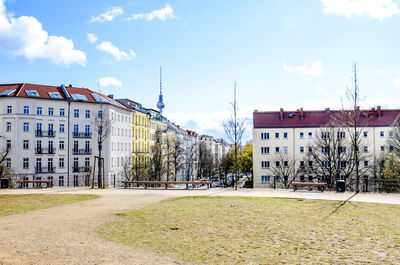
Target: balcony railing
81,134
45,169
80,169
41,133
81,151
41,151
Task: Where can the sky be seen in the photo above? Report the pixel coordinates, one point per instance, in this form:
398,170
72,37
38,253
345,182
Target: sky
286,53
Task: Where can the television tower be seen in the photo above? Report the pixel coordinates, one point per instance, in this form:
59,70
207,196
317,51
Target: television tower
160,103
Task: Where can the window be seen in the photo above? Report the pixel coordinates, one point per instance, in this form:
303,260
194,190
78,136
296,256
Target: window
87,130
264,164
324,149
285,135
87,146
8,162
39,111
302,164
264,136
310,135
365,134
310,164
62,112
382,148
79,97
38,165
301,149
50,165
51,147
76,113
390,134
51,129
285,163
61,163
26,127
264,150
32,93
277,135
391,148
341,135
87,114
76,129
26,109
25,144
276,149
285,149
8,146
342,164
365,149
325,135
277,164
87,162
342,149
301,135
366,163
382,133
9,109
76,146
61,145
265,179
310,149
76,180
61,181
100,114
25,163
8,127
51,111
54,95
325,164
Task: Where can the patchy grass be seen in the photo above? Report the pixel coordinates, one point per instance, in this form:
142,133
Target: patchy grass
238,230
12,204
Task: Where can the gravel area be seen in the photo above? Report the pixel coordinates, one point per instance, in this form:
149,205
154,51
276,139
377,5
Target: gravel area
66,234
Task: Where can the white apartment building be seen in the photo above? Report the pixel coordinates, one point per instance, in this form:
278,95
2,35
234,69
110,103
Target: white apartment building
51,133
292,132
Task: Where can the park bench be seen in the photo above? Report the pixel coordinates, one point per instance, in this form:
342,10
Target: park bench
166,183
320,186
47,182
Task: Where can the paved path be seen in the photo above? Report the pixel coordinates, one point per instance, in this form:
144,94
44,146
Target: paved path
66,234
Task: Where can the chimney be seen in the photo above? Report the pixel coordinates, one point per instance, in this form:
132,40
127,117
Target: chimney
378,109
327,110
111,96
281,114
70,85
301,114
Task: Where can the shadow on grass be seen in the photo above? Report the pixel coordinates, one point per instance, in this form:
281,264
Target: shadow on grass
342,204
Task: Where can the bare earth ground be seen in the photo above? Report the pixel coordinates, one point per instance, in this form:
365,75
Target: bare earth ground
66,234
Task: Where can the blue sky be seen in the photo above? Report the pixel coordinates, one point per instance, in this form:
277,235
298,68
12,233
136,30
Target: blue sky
285,53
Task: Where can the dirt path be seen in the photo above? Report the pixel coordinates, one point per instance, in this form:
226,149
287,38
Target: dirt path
66,234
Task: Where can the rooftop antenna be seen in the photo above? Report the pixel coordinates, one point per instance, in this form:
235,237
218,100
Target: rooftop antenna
160,103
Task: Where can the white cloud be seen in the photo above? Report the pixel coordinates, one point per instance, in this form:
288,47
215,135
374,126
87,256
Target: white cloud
118,55
24,36
321,90
109,81
379,9
163,14
107,16
379,71
92,38
396,81
314,70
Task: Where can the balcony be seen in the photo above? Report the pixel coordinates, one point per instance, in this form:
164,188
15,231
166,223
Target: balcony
82,135
40,133
81,169
45,151
45,169
81,151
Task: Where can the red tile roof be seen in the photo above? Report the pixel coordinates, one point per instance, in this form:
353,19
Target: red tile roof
43,90
271,119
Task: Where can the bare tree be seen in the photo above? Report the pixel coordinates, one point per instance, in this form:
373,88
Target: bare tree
190,160
157,165
5,171
177,155
234,128
168,153
102,126
354,121
127,169
224,167
139,166
205,161
283,167
394,140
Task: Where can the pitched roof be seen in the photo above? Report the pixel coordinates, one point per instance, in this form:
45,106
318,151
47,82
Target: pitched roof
319,118
43,92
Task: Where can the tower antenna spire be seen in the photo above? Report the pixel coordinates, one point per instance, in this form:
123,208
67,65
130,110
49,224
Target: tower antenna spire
160,103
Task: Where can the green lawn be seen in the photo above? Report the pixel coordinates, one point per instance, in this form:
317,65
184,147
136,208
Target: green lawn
12,204
238,230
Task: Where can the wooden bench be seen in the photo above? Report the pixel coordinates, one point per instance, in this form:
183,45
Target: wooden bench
320,186
47,182
166,183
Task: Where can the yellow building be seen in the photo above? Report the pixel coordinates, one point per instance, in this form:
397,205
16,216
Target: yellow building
158,123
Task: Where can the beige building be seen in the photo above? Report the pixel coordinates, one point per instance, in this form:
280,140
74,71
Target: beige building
287,138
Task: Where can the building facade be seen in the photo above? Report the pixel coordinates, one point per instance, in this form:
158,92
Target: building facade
286,139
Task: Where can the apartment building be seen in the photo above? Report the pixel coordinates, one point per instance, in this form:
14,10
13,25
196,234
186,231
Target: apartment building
51,132
291,134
